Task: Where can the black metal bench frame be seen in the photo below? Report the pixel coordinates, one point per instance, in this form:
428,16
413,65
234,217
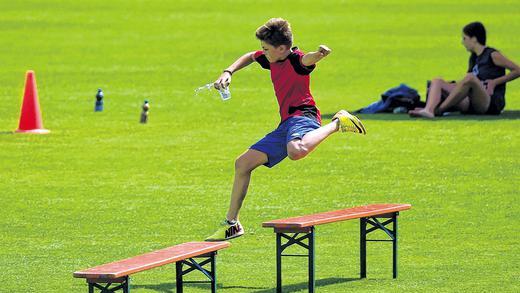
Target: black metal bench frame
297,236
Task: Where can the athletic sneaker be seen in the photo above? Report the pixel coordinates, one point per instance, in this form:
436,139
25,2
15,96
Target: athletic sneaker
227,231
349,122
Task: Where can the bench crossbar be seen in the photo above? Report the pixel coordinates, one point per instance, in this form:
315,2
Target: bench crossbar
122,284
193,265
294,240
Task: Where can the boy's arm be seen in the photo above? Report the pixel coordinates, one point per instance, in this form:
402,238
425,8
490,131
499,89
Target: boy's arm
225,78
313,57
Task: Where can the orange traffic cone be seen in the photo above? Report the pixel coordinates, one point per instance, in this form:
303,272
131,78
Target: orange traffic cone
30,116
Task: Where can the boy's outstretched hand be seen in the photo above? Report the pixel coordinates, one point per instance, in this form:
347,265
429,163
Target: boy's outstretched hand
324,50
223,81
313,57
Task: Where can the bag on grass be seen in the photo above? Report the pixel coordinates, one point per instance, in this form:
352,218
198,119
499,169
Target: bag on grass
400,96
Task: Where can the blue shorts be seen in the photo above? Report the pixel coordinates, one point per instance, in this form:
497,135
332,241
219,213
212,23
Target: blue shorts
275,143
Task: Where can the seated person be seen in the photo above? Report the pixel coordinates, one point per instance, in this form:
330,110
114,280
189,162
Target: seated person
482,90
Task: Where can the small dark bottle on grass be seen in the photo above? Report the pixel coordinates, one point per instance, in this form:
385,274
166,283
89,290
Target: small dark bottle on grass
99,101
144,113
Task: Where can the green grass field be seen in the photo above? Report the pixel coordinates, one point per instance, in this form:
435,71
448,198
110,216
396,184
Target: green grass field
102,187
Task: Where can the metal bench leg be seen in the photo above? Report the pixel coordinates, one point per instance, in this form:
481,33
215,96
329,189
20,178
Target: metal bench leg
178,274
126,285
363,249
278,263
312,278
376,225
213,274
293,237
394,217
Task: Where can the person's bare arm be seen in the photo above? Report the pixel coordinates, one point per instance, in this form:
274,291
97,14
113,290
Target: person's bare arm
313,57
225,78
502,61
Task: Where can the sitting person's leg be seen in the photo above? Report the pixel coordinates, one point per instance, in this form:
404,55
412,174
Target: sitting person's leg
437,87
470,87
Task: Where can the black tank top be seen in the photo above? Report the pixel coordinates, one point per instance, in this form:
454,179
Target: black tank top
483,68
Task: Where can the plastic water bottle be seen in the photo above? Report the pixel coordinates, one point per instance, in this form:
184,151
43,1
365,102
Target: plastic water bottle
400,110
99,101
225,94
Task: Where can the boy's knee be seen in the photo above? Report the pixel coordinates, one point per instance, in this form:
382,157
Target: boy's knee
296,152
242,164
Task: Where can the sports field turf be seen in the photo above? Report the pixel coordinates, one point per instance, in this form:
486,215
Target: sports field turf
102,187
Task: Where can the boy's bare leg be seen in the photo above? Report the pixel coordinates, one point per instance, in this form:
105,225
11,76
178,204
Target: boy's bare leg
244,165
299,148
343,120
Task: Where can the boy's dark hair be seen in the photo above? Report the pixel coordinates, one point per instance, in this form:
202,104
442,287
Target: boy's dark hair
276,32
476,29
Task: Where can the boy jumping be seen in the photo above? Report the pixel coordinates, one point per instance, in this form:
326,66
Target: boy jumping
299,131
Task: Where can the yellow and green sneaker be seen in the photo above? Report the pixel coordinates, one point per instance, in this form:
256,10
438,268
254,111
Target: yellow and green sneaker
349,122
227,231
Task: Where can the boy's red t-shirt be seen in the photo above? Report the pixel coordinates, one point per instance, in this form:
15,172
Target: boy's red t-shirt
291,82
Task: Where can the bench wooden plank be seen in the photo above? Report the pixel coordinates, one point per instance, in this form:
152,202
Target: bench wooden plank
150,260
336,216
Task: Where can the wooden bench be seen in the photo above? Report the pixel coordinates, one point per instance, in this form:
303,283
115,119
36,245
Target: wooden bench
291,228
116,274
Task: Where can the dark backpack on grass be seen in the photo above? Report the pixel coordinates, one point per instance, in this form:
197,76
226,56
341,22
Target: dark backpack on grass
399,96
